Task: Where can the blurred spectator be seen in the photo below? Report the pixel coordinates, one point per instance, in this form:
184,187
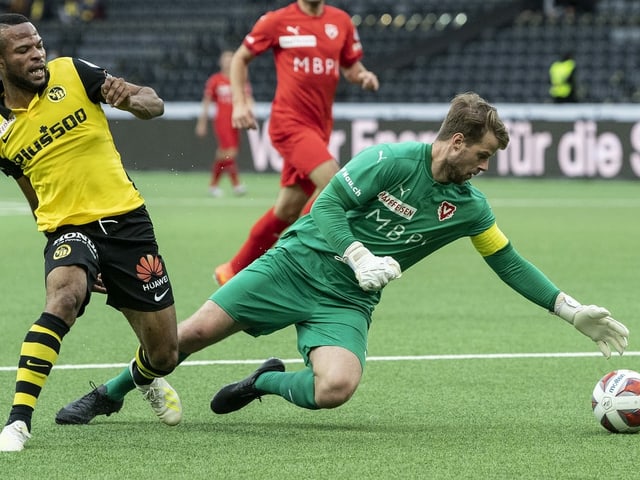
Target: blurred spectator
22,7
568,8
73,11
41,10
35,10
562,77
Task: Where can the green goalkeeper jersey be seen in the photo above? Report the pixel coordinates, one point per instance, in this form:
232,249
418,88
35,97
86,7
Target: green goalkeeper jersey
386,198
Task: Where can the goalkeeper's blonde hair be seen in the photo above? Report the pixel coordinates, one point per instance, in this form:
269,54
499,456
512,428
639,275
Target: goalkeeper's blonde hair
473,116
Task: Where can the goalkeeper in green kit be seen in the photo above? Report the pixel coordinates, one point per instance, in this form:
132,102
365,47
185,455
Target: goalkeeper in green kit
389,207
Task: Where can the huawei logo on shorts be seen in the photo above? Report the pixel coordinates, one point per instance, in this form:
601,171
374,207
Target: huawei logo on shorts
149,267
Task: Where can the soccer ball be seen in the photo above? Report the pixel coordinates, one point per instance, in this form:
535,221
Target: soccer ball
616,401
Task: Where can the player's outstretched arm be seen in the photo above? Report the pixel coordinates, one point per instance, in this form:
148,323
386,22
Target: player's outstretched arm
594,322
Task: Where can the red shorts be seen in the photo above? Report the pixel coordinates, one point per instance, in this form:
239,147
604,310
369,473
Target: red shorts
226,135
302,151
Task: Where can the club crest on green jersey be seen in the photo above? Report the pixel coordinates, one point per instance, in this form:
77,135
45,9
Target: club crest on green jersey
446,210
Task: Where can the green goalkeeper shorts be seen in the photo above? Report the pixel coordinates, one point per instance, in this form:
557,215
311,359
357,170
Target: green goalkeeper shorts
277,291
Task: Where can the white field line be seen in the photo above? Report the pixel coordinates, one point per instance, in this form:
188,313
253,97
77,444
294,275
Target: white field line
408,358
565,202
14,208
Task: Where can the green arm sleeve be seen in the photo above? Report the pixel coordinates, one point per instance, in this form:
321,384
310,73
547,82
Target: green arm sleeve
329,214
523,277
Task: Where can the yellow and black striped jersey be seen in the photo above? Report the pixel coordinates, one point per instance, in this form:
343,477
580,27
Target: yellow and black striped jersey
63,144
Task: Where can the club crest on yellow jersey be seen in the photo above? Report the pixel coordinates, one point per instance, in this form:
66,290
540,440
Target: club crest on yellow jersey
56,93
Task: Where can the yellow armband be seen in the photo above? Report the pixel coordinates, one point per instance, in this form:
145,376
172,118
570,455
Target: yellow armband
490,241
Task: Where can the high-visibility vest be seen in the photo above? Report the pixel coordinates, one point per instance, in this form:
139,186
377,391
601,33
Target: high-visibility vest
559,74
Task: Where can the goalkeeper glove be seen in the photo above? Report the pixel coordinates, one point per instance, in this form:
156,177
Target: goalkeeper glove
372,272
594,322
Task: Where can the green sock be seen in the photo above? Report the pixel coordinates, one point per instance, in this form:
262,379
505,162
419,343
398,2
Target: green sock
122,384
295,387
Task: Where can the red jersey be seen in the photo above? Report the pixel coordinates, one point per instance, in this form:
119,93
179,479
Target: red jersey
218,89
308,53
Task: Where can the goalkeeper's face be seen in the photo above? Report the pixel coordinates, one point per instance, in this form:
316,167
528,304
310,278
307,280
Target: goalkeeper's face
466,160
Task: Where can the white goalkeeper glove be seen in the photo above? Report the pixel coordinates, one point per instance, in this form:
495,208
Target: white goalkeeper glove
372,272
594,322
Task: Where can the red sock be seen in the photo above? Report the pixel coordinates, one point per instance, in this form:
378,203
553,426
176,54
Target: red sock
231,168
216,171
262,236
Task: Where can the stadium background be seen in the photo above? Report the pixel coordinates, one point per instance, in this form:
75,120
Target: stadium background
424,52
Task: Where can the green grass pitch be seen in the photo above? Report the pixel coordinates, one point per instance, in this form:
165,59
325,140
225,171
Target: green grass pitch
466,380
